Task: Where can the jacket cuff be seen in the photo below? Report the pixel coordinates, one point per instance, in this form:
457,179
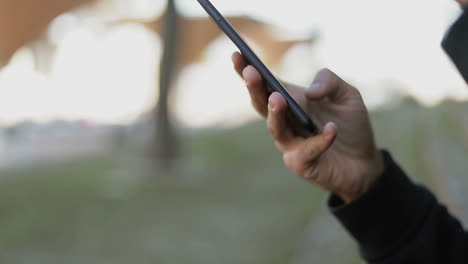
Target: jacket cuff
455,44
388,215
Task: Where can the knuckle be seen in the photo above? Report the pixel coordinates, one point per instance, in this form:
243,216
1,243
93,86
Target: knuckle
312,175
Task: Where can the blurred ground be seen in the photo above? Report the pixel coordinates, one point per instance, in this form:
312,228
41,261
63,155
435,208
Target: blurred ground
230,200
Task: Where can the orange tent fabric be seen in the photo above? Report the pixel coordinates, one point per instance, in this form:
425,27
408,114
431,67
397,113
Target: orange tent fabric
22,21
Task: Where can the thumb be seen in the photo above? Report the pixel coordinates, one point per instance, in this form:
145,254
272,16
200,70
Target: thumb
327,84
301,160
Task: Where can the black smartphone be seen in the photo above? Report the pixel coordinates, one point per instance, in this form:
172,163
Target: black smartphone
253,59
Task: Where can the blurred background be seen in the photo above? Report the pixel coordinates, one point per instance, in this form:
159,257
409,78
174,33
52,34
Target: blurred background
126,137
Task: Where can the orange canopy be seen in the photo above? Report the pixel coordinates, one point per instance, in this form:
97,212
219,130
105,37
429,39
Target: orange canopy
22,21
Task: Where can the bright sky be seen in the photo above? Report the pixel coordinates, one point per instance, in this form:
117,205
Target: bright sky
109,75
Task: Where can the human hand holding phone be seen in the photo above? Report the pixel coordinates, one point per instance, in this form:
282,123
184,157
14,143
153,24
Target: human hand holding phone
307,126
343,157
346,163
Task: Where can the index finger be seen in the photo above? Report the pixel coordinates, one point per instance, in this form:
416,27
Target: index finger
258,91
278,125
239,62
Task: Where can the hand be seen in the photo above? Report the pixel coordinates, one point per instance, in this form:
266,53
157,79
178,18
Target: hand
343,157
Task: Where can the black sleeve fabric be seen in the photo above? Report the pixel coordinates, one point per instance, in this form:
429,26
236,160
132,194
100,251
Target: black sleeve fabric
456,44
397,221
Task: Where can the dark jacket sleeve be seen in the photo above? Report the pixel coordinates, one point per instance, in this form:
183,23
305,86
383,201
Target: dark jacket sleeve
397,221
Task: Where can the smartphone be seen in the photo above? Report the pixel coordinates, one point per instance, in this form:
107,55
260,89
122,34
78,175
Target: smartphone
253,59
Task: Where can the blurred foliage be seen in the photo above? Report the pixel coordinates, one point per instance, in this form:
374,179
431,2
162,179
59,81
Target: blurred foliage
230,199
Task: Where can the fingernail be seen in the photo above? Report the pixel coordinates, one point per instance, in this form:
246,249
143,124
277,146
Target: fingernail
271,106
328,130
314,86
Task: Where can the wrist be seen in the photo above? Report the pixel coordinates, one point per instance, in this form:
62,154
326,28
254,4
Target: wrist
373,171
394,199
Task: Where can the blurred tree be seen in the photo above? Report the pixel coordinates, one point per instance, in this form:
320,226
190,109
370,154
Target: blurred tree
197,34
165,138
24,21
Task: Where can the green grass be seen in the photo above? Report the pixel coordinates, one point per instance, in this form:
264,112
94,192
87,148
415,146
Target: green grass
229,199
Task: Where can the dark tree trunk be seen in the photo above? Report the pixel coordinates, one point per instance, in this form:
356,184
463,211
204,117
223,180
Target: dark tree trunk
165,138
